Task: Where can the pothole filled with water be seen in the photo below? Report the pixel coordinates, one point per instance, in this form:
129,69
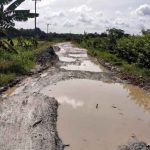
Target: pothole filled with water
86,65
95,115
66,59
78,55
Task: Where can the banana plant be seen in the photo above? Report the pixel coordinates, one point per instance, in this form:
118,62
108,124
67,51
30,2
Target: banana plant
9,14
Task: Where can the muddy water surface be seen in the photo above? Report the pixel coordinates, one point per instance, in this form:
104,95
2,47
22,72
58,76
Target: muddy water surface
95,115
86,65
79,57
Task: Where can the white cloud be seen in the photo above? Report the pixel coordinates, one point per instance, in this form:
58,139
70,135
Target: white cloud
143,10
118,12
57,14
69,24
85,19
119,22
99,14
90,15
81,9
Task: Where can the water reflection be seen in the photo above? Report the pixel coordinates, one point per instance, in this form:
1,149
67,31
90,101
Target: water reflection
66,59
139,96
68,53
69,101
115,121
10,91
86,65
78,55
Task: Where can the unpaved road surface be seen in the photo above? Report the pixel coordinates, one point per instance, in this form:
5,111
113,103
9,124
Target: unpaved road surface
97,111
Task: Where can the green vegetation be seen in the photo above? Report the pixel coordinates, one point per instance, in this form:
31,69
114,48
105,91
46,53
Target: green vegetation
17,55
10,13
13,64
129,52
17,49
5,78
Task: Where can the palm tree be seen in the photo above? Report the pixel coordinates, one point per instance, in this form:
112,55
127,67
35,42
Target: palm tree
9,14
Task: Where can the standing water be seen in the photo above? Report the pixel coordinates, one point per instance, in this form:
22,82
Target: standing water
95,115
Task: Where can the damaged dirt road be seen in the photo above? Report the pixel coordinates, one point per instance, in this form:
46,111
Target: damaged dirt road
97,110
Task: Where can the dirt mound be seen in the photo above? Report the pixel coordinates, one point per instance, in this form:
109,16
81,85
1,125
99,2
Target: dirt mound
47,56
29,123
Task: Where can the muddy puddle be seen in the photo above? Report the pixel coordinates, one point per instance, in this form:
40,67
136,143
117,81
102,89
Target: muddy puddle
9,91
94,115
66,59
79,57
86,65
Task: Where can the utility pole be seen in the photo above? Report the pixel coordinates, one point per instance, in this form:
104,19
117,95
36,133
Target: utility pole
48,27
35,14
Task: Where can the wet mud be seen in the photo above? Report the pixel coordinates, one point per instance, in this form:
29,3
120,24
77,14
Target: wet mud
97,110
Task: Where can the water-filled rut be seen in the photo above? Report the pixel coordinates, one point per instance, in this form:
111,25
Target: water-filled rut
95,114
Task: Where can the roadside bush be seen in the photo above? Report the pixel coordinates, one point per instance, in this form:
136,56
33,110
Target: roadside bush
135,49
130,52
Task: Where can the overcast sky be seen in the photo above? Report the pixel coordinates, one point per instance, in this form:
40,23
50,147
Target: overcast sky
90,15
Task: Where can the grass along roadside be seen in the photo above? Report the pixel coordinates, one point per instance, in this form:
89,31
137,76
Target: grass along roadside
137,75
15,64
